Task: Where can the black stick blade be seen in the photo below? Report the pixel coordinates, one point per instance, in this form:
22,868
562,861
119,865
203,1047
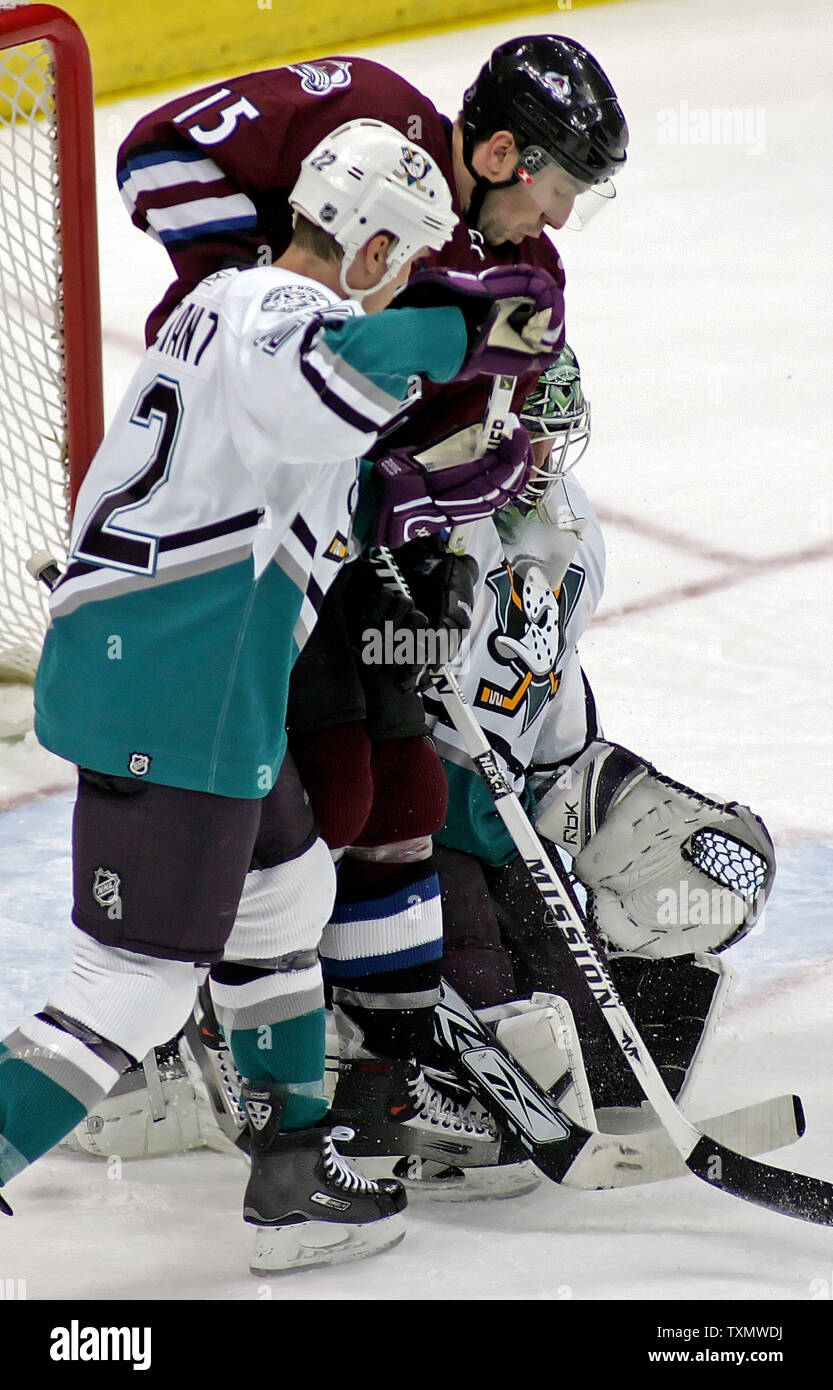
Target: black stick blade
791,1194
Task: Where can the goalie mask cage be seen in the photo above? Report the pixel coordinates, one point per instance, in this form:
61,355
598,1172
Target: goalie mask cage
51,416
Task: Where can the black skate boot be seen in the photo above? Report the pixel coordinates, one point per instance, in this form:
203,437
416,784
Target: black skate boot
443,1144
309,1206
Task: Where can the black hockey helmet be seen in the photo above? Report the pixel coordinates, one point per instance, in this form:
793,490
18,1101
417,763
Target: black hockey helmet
551,94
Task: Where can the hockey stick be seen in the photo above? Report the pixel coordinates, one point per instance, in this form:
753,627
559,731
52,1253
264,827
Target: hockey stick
500,404
560,1147
792,1194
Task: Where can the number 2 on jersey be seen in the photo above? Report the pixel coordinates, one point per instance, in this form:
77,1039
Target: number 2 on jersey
104,543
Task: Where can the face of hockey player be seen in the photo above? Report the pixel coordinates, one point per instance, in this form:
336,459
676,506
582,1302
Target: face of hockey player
544,199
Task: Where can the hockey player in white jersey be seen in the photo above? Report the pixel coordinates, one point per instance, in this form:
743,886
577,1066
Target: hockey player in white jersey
230,470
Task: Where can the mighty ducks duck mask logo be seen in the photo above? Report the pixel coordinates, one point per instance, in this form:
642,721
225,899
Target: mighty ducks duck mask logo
528,639
415,168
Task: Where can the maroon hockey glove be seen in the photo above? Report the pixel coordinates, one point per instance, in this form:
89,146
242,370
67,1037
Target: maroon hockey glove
514,315
413,503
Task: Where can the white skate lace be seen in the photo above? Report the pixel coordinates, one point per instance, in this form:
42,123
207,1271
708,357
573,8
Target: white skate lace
441,1110
336,1166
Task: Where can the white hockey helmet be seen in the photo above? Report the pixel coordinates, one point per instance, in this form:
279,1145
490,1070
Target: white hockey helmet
364,178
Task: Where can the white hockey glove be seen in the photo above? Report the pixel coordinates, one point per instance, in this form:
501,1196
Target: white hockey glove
668,871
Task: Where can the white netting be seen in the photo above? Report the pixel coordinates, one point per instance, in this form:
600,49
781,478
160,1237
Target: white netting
33,475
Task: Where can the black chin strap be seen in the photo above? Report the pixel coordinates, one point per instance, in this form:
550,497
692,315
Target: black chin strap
482,185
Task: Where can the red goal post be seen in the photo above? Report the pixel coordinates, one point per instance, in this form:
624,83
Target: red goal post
51,411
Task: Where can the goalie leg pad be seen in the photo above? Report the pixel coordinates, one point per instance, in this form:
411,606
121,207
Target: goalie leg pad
676,1005
128,1122
541,1034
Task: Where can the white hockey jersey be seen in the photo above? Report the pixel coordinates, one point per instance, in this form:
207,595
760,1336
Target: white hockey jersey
212,520
538,588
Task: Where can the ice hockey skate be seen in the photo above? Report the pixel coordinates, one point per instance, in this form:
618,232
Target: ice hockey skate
309,1205
429,1133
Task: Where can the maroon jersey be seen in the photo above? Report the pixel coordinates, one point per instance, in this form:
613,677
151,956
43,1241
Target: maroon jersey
209,175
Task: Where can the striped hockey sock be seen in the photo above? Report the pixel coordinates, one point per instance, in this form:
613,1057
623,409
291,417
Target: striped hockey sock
382,951
52,1072
273,1017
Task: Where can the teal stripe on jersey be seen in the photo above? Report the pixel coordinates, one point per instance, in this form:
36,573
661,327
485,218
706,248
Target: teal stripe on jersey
392,347
473,823
35,1113
191,675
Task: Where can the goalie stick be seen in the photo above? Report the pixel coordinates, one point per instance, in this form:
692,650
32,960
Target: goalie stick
564,1150
792,1194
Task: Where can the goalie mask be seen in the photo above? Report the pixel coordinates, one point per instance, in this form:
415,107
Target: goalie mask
366,178
558,410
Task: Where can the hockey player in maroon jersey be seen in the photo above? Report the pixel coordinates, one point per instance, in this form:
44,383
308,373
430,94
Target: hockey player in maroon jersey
540,131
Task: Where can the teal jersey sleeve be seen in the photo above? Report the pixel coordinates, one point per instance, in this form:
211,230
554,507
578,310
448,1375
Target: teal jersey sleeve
473,823
390,348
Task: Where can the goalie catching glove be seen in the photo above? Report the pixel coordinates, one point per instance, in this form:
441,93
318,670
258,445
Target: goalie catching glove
668,871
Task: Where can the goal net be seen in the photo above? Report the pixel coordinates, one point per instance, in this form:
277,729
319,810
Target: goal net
50,355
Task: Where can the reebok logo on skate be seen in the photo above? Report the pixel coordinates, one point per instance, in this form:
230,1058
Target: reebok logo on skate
397,1109
77,1343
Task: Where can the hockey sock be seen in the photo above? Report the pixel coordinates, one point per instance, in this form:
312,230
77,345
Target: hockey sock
474,959
273,1018
52,1072
56,1066
381,951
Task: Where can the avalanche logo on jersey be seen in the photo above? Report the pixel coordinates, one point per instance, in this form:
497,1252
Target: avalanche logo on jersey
319,78
528,637
414,167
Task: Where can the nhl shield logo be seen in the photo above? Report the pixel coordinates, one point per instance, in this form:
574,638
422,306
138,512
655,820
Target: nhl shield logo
317,79
107,892
139,764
